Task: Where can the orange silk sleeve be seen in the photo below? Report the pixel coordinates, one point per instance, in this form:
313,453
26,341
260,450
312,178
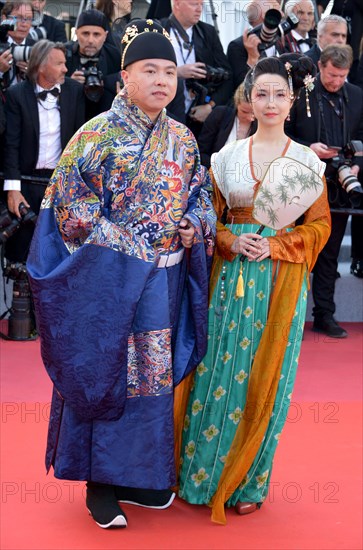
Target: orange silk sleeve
224,237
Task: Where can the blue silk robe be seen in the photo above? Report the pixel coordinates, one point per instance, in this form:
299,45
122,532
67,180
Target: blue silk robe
118,331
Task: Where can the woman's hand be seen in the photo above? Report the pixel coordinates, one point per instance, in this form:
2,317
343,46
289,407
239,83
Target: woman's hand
253,246
186,232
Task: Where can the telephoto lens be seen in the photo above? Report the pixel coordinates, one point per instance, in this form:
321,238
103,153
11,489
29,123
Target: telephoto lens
351,185
268,30
270,26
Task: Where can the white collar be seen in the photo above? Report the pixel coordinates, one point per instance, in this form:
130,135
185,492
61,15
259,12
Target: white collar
298,36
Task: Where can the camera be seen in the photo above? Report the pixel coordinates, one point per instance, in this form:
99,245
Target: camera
216,75
6,25
9,223
200,92
273,28
342,163
21,319
19,53
93,86
38,32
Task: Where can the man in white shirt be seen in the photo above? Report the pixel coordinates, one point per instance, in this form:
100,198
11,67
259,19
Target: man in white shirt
43,113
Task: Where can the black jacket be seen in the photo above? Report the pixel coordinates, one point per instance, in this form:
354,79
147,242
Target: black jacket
22,134
2,117
215,132
307,130
56,30
209,50
314,54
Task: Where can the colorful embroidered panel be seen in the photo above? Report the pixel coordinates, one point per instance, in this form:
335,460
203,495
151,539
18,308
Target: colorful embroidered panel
149,370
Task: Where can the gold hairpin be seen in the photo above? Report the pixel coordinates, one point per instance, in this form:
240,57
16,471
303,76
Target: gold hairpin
309,86
288,68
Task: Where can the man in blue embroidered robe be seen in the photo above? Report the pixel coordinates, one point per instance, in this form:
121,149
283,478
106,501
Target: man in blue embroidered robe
119,272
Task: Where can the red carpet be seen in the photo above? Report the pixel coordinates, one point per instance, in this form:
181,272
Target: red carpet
315,501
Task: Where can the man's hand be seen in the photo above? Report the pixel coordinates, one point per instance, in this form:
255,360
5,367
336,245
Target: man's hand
200,112
251,43
323,150
354,170
79,76
192,70
14,199
186,232
6,60
22,66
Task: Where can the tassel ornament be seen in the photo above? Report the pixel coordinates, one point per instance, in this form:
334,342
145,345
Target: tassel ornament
240,289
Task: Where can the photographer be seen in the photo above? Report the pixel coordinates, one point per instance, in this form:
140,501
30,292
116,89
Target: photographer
12,70
243,52
200,60
336,119
91,58
43,113
46,26
299,39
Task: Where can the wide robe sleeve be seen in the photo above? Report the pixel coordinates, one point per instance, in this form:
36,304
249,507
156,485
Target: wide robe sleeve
80,201
224,236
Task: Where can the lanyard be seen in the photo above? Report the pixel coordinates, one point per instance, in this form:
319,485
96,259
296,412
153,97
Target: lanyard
185,46
181,33
337,110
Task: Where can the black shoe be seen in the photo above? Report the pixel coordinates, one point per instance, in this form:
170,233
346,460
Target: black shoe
102,504
329,327
148,498
356,268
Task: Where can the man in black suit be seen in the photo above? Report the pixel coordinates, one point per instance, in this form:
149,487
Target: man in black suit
332,29
54,29
244,52
43,113
196,45
92,52
336,119
299,39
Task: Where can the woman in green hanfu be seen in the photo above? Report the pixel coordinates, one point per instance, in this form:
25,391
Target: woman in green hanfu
241,391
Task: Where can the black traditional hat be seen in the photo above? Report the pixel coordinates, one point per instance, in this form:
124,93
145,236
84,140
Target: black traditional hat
145,39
